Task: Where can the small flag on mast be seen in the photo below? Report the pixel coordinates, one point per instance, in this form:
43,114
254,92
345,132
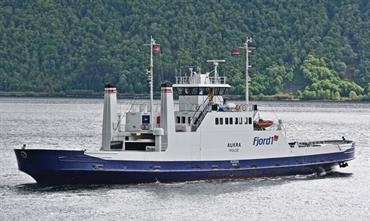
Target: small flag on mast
156,49
235,52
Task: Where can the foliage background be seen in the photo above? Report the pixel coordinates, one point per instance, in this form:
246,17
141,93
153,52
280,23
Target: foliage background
313,48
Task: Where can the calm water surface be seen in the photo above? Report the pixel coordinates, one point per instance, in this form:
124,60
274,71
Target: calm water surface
76,123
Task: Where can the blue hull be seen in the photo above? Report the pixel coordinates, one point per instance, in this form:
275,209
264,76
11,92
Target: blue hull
53,167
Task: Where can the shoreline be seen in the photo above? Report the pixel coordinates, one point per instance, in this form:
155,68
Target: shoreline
92,95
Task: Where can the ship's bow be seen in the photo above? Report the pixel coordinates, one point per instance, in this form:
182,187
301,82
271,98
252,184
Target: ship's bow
41,164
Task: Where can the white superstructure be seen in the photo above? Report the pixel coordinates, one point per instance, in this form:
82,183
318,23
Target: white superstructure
202,128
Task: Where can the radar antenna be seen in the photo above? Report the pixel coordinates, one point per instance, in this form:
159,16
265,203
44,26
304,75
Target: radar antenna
215,63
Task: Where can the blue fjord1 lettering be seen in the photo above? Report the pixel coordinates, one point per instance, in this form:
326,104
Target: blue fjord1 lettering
258,141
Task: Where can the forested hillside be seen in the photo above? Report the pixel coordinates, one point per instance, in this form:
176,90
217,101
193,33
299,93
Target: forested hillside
312,48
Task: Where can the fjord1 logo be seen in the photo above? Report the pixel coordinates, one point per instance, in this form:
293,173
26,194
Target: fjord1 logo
257,141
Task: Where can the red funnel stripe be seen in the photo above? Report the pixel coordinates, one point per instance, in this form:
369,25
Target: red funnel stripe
110,90
167,89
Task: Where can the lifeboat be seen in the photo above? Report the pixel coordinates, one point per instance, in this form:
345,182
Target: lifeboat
262,123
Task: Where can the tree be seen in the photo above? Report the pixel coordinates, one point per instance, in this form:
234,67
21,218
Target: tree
50,46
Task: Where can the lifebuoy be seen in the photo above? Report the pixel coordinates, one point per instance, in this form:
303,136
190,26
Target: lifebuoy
244,107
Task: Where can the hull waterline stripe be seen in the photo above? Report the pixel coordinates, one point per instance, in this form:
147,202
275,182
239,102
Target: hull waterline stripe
216,169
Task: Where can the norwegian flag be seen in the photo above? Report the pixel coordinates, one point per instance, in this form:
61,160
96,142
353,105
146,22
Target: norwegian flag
235,52
156,49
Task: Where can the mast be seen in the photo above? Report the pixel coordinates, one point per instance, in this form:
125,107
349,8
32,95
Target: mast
247,66
152,42
150,78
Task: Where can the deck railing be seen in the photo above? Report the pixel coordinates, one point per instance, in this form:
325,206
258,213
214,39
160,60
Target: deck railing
197,80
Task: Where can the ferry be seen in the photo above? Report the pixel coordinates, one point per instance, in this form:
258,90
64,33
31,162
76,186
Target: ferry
198,137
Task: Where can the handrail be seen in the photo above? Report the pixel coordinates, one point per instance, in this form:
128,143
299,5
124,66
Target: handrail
198,108
313,143
196,80
200,114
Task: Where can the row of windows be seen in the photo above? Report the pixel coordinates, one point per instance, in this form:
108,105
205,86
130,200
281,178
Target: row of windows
182,120
200,90
219,120
231,120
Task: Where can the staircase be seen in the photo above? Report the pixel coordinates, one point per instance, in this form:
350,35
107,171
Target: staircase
200,113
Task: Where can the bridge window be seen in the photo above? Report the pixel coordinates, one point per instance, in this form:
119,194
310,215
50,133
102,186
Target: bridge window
236,120
231,120
240,120
222,91
194,91
219,91
183,91
250,120
189,91
178,119
226,120
189,120
200,90
183,119
221,121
